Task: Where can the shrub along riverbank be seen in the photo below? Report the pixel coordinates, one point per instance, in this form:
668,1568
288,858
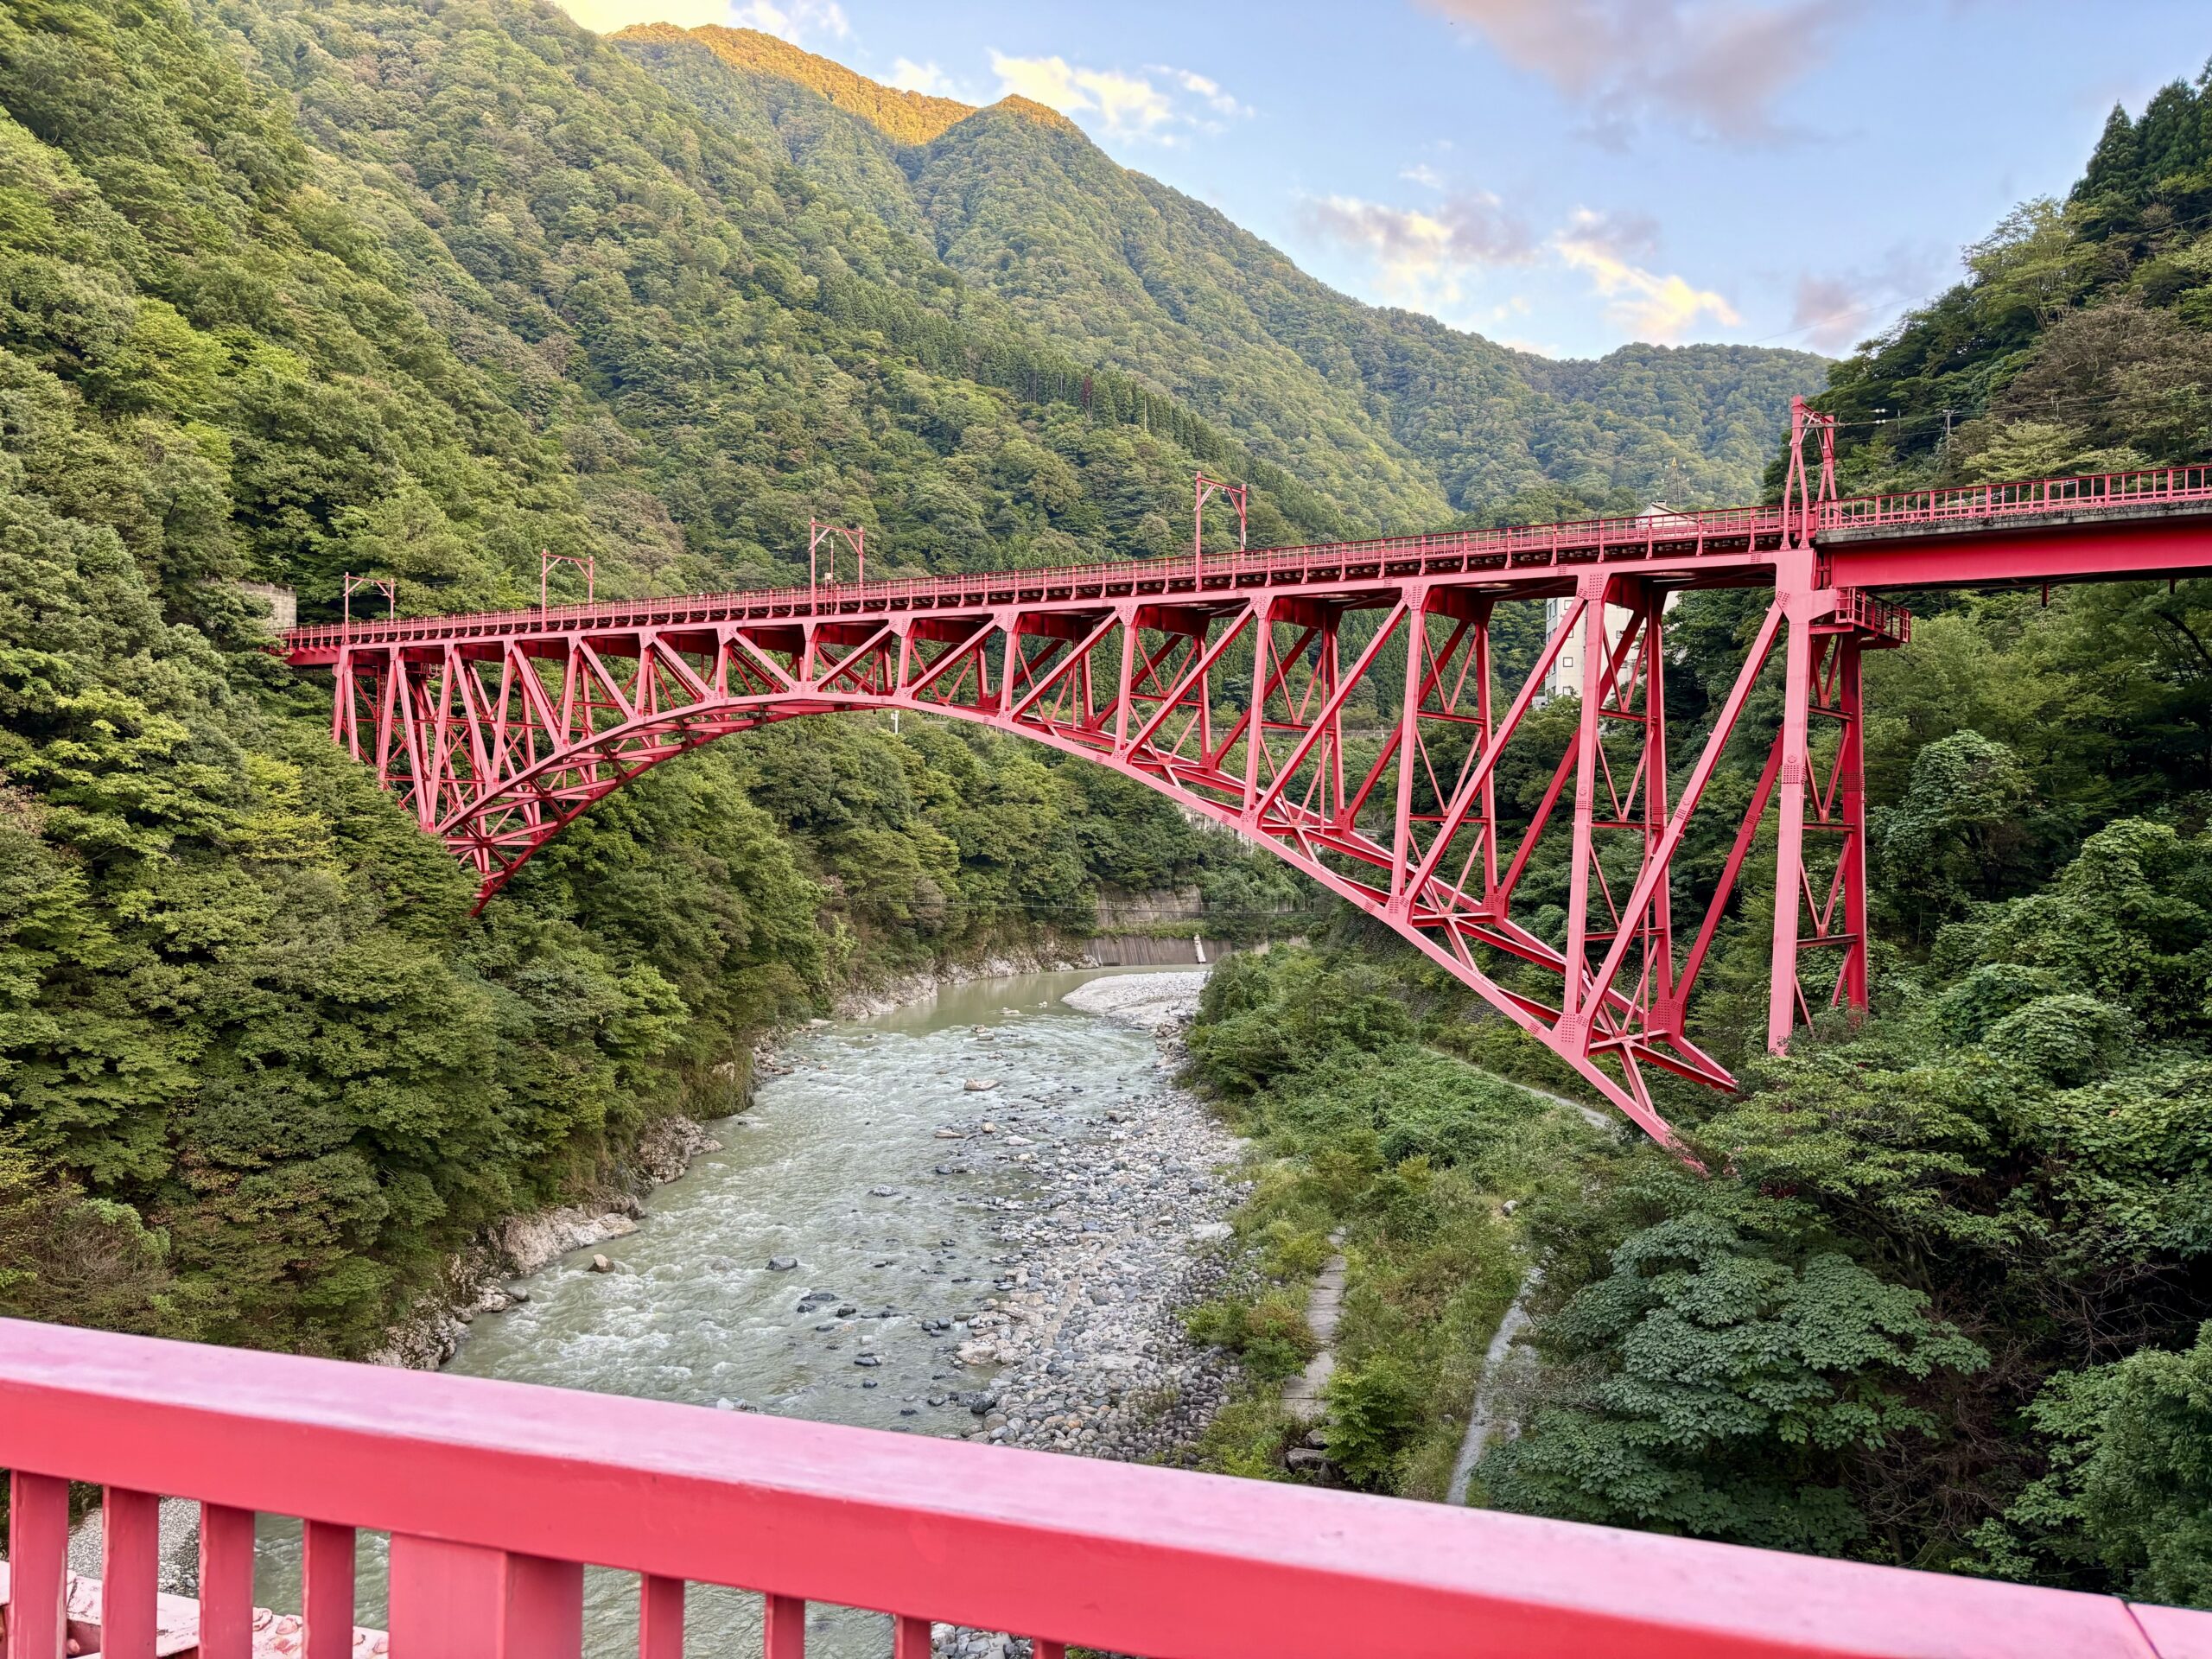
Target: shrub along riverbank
1941,1304
1417,1161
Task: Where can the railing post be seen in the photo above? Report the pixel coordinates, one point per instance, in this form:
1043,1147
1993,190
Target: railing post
38,1565
327,1592
660,1618
226,1582
782,1628
131,1560
463,1601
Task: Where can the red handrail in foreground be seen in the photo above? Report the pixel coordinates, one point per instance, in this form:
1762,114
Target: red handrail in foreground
494,1492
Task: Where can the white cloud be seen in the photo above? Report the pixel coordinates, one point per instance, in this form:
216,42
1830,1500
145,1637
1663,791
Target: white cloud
607,15
911,77
1422,257
1835,310
1624,235
1201,86
1647,305
1422,172
796,20
1127,106
1715,66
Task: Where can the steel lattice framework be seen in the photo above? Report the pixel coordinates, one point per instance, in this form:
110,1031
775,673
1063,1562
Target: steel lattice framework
1227,683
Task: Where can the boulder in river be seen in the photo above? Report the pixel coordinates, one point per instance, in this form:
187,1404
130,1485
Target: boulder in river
980,1085
600,1264
782,1263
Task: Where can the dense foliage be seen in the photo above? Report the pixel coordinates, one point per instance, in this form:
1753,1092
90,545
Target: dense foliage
1403,1156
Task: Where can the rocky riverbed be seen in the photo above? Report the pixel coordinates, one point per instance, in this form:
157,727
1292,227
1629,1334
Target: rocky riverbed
1121,1223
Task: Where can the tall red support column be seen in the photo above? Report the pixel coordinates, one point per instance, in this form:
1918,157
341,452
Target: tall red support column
1658,922
1782,994
1574,1023
1853,986
1825,908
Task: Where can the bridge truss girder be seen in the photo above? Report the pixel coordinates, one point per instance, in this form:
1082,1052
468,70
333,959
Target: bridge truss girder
1235,705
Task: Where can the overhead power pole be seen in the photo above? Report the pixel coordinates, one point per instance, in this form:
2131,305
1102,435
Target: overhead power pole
819,535
1203,491
547,559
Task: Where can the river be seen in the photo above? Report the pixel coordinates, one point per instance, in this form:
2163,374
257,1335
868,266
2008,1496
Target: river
907,1201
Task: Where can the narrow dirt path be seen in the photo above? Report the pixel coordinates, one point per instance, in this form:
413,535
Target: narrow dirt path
1302,1395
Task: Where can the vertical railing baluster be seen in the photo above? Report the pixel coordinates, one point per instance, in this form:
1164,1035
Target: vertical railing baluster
910,1638
782,1628
38,1565
130,1564
226,1582
660,1617
464,1601
1041,1649
327,1591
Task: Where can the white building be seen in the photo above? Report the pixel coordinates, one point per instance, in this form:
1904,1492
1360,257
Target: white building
1565,678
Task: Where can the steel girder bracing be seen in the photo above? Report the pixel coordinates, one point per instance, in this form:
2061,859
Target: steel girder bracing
1358,733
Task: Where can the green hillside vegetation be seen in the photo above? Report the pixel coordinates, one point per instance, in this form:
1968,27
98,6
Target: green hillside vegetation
1401,419
258,1068
1946,1300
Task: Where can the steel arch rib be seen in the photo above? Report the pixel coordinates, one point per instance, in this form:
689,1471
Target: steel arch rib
702,723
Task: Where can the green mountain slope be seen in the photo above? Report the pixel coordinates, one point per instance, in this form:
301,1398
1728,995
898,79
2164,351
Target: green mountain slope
676,346
1392,411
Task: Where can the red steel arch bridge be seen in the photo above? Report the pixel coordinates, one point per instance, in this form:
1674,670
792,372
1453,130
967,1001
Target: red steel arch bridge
1224,682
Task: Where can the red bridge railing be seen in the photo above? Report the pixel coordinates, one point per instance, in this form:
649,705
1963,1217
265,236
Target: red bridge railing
2055,497
1522,547
495,1494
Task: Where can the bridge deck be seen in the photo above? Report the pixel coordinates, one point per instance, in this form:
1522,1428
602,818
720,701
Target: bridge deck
2126,524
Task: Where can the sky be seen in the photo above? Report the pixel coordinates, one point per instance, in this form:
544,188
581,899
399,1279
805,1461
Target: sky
1564,175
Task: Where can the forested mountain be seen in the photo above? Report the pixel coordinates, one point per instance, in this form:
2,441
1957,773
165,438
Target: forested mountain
290,289
1945,1298
1399,418
287,292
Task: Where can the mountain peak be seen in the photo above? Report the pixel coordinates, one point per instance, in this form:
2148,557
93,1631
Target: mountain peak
1030,110
905,118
